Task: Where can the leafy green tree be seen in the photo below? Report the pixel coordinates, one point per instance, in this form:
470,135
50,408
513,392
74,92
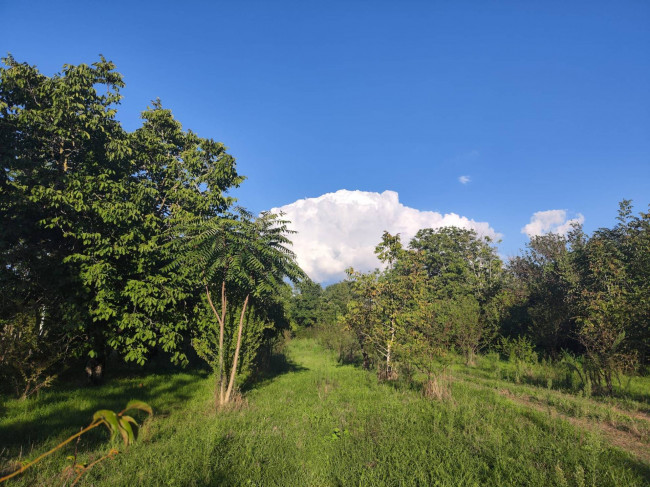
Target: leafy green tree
393,298
176,177
635,248
457,260
247,260
86,208
307,304
62,152
464,277
364,313
422,338
545,272
334,302
606,299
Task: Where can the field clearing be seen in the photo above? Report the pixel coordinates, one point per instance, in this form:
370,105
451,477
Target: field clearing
318,423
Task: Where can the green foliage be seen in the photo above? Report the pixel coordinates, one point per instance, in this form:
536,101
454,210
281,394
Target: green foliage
115,422
120,422
30,349
293,432
544,273
364,315
85,208
442,292
120,238
457,260
589,295
611,297
247,259
306,305
519,349
450,292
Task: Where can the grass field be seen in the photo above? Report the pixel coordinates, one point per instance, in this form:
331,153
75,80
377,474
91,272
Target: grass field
318,423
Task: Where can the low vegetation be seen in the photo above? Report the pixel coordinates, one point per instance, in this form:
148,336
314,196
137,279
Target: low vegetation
317,422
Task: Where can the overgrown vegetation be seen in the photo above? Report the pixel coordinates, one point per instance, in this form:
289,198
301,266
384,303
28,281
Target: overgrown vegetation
113,241
116,423
579,303
122,246
319,423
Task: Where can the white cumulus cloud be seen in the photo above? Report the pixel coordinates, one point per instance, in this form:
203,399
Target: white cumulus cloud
551,221
340,230
464,179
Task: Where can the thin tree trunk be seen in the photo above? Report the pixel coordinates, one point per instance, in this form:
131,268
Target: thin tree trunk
221,333
389,374
233,371
219,385
388,360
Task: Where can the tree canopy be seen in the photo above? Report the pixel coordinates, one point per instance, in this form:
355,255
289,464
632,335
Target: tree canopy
90,214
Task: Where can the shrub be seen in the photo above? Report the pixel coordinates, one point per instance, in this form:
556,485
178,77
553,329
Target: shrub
520,349
29,352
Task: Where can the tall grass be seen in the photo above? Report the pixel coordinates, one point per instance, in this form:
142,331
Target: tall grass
321,423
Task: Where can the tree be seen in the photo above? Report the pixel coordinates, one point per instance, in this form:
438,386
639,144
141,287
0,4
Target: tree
607,295
364,314
248,259
85,208
545,271
306,305
635,247
61,152
393,299
458,260
464,276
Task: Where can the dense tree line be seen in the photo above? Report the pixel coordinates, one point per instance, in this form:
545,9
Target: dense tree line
582,298
116,242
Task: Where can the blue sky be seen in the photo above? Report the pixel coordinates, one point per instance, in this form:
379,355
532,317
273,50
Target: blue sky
543,105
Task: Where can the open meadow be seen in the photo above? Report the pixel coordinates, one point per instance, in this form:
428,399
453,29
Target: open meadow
320,423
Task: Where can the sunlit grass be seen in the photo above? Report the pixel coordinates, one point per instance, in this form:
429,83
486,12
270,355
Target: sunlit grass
320,423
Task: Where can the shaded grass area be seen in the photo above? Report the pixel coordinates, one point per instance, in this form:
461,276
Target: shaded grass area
319,423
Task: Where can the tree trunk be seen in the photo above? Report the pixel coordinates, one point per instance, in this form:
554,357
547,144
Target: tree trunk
233,371
389,372
366,360
221,333
219,386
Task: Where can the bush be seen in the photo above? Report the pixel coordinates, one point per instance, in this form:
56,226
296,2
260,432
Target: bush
29,352
520,349
335,337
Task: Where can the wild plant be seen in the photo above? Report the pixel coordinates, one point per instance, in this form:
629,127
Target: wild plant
117,423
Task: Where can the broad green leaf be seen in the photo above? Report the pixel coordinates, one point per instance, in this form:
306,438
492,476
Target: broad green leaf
141,405
126,431
129,419
110,420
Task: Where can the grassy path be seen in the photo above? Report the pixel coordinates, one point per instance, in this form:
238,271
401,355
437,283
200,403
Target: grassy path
630,434
321,424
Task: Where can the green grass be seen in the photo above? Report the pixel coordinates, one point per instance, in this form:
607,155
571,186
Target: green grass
318,424
631,392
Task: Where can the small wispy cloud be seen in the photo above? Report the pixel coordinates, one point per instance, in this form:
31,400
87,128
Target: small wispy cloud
464,179
551,221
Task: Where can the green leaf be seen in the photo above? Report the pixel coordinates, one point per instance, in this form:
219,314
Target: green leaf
110,420
141,405
129,419
126,431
